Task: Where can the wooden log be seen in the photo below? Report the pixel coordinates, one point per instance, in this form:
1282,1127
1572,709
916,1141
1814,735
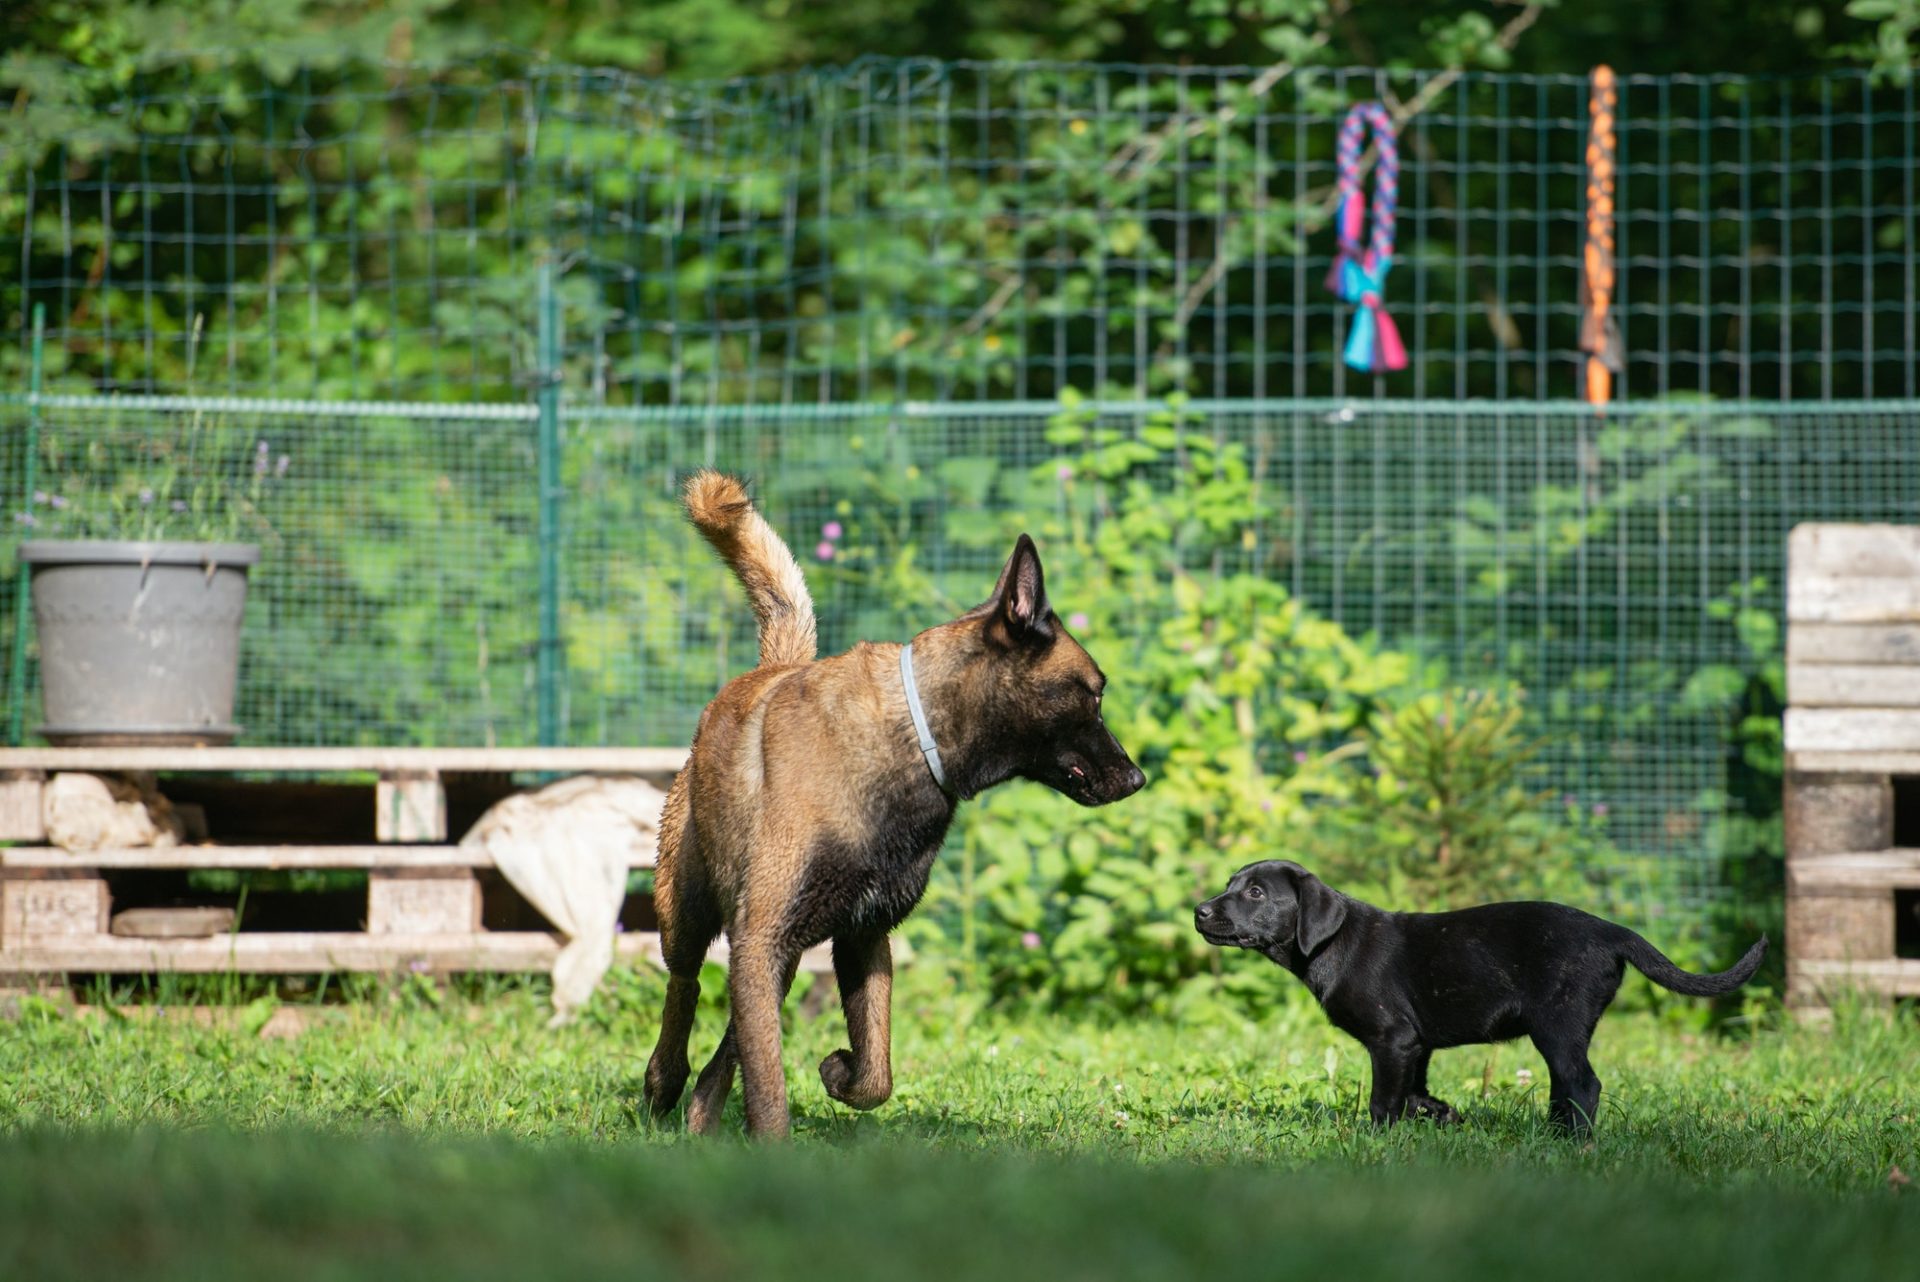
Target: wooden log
86,811
422,901
1853,685
172,923
20,802
1853,643
1852,730
318,952
52,903
410,805
1836,814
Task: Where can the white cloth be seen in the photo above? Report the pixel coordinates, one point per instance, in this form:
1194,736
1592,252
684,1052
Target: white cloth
567,848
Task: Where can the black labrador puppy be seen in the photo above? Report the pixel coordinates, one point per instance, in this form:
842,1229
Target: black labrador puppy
1408,984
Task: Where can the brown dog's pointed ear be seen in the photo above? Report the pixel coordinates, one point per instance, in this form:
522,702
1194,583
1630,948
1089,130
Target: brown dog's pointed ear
1322,911
1018,609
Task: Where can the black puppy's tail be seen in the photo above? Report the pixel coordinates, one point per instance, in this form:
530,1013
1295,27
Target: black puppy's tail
1652,963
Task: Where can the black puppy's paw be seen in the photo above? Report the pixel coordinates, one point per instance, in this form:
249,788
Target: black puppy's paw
1438,1111
838,1073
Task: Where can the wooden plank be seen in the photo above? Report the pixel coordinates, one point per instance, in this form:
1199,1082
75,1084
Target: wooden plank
1853,643
349,760
20,813
1851,549
1896,977
410,805
1853,601
1879,763
421,901
307,953
262,857
1851,685
1852,730
1897,869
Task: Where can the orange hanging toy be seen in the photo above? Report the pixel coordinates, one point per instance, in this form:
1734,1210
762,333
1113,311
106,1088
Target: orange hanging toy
1599,327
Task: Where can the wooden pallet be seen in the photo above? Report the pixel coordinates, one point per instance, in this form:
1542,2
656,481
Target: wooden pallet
1852,727
424,895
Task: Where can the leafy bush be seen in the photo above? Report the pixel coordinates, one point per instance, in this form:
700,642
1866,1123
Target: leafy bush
1265,732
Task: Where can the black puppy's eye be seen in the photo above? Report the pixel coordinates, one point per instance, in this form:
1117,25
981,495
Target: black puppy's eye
1254,892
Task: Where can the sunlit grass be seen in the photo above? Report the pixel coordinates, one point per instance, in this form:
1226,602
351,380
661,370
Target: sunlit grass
413,1130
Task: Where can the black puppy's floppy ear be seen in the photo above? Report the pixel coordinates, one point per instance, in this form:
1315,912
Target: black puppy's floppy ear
1018,609
1322,911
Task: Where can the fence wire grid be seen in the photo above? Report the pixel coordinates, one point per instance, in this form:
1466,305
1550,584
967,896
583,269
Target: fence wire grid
391,300
957,231
1610,569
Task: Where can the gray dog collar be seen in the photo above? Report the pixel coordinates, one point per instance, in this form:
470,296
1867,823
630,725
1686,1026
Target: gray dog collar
920,727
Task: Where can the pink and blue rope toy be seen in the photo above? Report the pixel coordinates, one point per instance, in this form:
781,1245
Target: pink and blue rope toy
1360,272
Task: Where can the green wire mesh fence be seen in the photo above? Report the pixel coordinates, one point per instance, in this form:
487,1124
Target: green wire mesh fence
1626,574
869,288
914,230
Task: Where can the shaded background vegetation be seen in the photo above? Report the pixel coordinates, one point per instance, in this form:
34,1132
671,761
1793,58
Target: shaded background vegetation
1443,656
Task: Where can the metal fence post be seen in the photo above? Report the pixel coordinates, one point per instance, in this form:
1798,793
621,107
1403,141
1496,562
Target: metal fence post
17,681
548,670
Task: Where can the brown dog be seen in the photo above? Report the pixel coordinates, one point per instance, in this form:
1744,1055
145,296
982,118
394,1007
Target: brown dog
816,797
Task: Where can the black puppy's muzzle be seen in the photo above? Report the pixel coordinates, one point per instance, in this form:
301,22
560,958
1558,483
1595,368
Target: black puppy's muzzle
1213,925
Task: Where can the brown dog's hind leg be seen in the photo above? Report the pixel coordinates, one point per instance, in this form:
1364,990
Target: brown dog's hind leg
862,1077
715,1084
689,921
716,1079
757,981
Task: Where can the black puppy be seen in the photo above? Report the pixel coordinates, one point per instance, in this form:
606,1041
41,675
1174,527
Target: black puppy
1408,984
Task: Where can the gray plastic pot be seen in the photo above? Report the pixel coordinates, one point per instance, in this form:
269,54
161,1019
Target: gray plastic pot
139,642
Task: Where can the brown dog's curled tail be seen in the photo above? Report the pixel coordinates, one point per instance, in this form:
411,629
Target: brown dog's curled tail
721,510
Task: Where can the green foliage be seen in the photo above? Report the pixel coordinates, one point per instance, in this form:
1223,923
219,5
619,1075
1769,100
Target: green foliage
201,478
1450,812
1253,719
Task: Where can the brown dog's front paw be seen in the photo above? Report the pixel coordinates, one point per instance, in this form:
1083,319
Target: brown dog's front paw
664,1086
838,1074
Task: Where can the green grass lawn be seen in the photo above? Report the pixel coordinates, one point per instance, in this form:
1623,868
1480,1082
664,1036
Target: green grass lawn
404,1136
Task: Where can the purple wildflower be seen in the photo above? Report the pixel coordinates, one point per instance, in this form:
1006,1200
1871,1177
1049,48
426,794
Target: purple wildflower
1266,805
40,497
831,530
1299,758
281,465
57,502
1064,472
1030,940
27,519
418,965
619,927
178,505
824,551
1077,620
1599,810
262,459
146,496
